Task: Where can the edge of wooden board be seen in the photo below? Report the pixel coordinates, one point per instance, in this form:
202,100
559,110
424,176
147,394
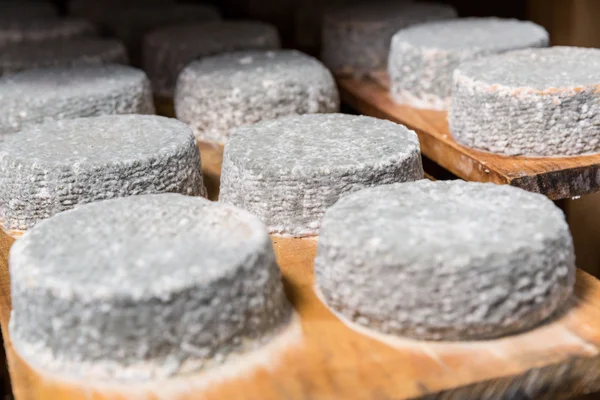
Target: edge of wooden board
555,177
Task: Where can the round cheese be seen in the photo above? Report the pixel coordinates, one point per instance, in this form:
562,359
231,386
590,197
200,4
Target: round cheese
41,30
219,93
446,260
290,170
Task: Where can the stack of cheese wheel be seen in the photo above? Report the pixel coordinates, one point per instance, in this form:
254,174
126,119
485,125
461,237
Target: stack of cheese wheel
46,94
541,102
20,57
168,50
219,93
288,171
356,38
446,260
134,296
49,168
423,57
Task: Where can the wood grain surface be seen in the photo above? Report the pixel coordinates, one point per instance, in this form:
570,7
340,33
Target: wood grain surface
332,361
556,177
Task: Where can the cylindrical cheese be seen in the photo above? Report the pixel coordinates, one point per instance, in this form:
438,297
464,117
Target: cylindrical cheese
46,94
538,102
423,57
288,171
144,288
446,260
356,38
20,57
219,93
53,167
41,30
168,50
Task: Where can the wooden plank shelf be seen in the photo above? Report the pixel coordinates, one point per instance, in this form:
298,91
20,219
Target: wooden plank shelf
331,360
555,177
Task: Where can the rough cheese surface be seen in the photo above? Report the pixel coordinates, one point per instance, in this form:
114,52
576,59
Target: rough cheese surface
167,51
144,287
53,167
538,102
219,93
23,56
446,260
424,57
41,30
290,170
47,94
356,38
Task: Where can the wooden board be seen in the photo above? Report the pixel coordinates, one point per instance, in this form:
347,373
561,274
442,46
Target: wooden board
333,361
556,177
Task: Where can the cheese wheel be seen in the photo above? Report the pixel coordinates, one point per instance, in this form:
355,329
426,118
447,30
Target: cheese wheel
423,58
219,93
20,57
41,30
445,260
133,21
288,171
540,102
144,288
356,38
46,94
53,167
168,50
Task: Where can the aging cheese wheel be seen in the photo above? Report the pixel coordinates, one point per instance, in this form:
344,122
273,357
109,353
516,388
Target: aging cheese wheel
219,93
167,51
538,102
356,38
54,167
42,95
23,56
41,30
446,260
133,21
144,288
423,58
289,170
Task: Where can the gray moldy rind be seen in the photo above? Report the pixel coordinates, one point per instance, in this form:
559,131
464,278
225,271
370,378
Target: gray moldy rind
222,92
53,167
23,56
538,102
41,30
447,260
167,51
290,170
144,287
356,38
47,94
423,58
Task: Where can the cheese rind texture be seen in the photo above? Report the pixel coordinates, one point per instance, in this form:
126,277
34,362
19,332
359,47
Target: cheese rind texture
356,38
167,51
219,93
446,260
45,29
53,167
144,287
423,58
82,51
48,94
542,102
290,170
